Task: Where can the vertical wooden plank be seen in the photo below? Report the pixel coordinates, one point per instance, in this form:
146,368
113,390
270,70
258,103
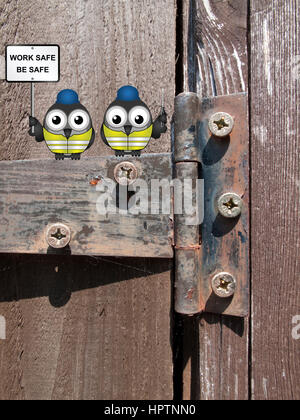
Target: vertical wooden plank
109,339
275,197
215,63
215,47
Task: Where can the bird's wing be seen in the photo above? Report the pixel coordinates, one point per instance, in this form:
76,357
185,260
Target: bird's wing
92,139
103,136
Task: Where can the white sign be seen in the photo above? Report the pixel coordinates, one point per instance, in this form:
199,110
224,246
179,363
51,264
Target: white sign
32,63
296,329
2,67
2,328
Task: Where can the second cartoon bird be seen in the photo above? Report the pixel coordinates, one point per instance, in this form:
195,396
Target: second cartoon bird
67,128
128,125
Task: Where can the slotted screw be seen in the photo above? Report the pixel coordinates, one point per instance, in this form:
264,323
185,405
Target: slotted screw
58,235
223,285
230,205
125,173
221,124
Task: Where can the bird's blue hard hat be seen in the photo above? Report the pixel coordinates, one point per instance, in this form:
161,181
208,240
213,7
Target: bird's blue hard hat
67,97
128,93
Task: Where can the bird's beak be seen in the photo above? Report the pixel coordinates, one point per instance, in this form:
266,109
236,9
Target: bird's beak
127,129
67,132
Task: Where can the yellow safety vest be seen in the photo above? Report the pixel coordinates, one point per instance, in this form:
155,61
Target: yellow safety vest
58,143
118,140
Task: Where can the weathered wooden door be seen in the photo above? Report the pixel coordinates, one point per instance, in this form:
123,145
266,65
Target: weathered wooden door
84,327
104,327
229,47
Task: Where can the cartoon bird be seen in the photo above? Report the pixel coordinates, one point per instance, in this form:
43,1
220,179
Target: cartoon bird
67,128
128,126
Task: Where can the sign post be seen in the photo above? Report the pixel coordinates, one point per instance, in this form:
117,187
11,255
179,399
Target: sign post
31,64
32,103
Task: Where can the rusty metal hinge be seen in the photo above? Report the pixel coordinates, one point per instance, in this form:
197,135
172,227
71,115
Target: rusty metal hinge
211,140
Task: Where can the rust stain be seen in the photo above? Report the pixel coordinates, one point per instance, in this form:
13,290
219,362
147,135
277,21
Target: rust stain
95,181
188,247
190,293
202,303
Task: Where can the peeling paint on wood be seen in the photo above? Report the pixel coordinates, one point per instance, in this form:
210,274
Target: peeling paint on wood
215,47
215,63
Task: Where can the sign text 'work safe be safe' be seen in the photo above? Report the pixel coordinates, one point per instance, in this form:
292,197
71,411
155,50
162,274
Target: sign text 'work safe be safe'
32,63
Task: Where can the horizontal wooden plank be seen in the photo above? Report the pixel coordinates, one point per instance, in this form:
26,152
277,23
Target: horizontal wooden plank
38,193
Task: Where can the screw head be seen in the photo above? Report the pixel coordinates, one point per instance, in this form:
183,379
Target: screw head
223,285
221,124
230,205
125,173
58,235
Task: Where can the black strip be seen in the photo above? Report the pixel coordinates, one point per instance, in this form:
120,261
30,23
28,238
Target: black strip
177,320
179,48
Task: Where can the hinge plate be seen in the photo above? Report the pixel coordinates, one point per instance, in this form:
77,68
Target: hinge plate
225,168
211,270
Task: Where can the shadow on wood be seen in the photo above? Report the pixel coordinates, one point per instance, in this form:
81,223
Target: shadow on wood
189,357
58,276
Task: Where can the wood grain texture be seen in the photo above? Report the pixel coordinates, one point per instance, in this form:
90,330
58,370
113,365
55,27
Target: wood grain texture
104,45
29,206
215,63
111,339
275,134
85,328
215,47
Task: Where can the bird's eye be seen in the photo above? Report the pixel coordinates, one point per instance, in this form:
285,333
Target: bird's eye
56,120
116,116
139,116
79,120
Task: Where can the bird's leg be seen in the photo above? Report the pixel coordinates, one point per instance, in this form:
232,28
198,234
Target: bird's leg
119,153
136,153
75,156
59,156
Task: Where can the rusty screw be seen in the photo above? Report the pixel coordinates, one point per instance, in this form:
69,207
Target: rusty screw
221,124
58,235
125,173
230,205
223,285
